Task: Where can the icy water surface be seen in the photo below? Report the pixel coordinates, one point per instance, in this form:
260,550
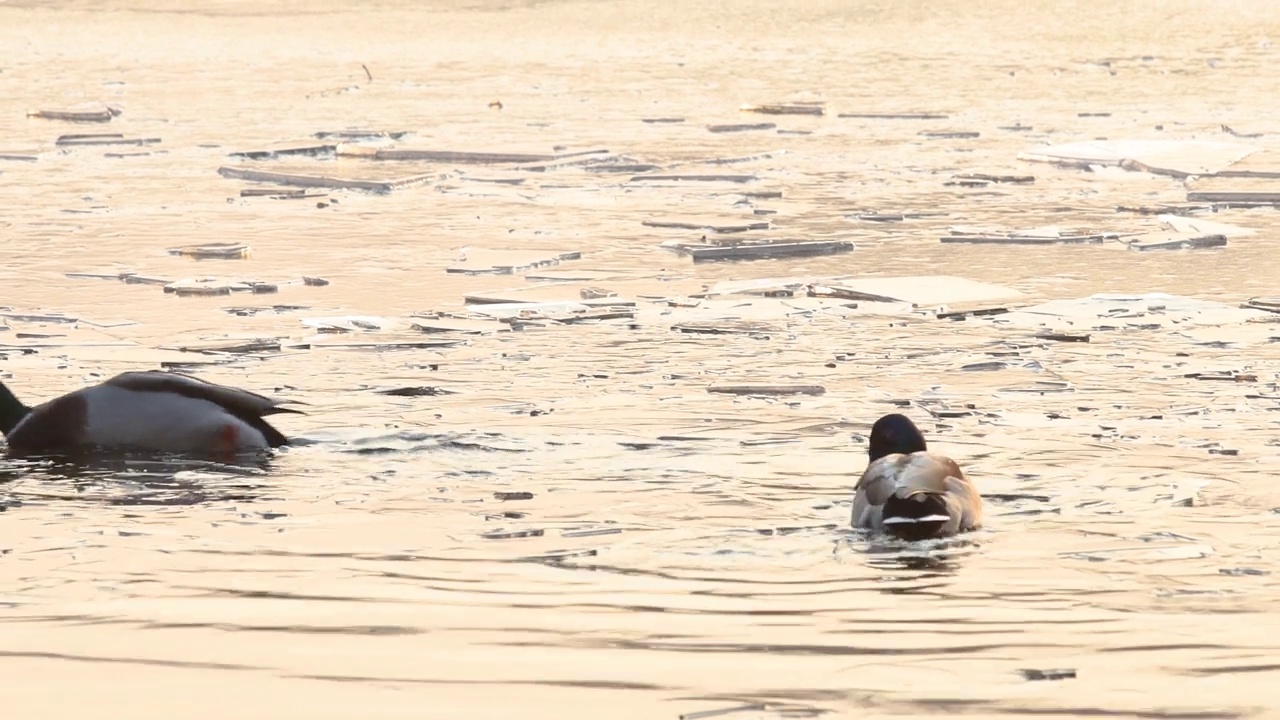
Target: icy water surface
557,519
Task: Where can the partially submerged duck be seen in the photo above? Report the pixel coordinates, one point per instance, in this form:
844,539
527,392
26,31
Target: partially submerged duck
149,410
908,492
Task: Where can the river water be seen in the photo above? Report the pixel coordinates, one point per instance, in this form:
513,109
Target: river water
667,551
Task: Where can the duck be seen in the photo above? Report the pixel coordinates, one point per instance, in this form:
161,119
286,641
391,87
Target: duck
909,493
152,410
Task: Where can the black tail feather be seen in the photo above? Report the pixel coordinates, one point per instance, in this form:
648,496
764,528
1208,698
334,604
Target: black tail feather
12,411
917,517
274,437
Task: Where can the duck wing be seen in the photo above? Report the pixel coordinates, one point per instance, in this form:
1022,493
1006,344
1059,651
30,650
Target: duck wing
238,402
921,486
897,473
965,502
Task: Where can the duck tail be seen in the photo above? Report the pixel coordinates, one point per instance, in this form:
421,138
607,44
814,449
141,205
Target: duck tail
12,411
916,515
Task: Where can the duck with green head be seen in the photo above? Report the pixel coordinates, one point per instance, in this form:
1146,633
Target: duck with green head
149,410
908,492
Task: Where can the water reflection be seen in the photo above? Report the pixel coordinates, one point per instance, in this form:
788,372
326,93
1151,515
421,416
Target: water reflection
132,478
932,559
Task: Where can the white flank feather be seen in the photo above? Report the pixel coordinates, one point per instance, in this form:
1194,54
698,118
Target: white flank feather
162,421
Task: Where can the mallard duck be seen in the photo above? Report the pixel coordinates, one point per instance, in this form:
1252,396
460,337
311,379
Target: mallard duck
148,410
910,493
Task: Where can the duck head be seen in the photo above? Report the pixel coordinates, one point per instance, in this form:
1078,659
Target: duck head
894,434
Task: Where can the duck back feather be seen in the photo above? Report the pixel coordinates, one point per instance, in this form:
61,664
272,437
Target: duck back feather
248,407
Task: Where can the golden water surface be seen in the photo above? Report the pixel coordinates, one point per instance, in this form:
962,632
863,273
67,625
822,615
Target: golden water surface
677,552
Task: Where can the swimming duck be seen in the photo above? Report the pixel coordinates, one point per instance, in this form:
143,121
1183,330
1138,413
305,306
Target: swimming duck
148,410
910,493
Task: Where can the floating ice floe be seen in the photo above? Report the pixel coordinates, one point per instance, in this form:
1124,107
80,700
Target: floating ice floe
1118,311
1179,158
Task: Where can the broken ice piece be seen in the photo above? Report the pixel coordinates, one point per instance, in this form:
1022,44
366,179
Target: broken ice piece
1238,571
503,262
798,108
705,714
1042,387
130,278
589,532
86,112
1015,179
348,323
1269,304
726,327
504,496
418,391
511,534
324,181
895,116
285,150
231,346
361,134
768,250
102,139
1050,674
595,293
719,227
1178,158
1234,196
1063,337
694,178
767,389
202,287
1183,243
740,127
1033,236
227,251
950,134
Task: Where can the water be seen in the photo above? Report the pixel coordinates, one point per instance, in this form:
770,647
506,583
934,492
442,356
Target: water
681,551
